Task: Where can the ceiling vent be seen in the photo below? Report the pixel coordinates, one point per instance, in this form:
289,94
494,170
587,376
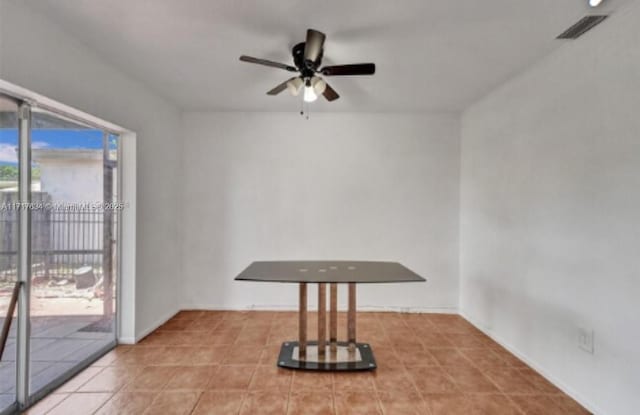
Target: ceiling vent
583,26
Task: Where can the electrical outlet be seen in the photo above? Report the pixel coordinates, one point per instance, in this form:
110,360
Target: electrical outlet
585,339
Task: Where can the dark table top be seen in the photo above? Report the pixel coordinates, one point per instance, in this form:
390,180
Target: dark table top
328,271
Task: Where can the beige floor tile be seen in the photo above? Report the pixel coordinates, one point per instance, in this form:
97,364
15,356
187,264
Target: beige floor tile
191,377
151,378
266,402
449,357
311,403
46,404
448,404
317,381
402,403
271,378
470,380
127,403
491,404
353,382
80,379
243,355
538,405
220,402
231,377
356,403
432,379
173,403
111,379
482,357
509,380
80,403
392,379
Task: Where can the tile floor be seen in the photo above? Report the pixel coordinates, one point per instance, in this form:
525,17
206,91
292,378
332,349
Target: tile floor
225,363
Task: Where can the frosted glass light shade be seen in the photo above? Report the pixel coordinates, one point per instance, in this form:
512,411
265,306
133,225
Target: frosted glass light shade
309,94
294,86
319,85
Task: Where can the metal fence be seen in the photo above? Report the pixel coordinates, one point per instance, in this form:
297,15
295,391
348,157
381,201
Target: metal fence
62,241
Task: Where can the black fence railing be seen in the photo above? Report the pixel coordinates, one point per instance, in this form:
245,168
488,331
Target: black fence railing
62,242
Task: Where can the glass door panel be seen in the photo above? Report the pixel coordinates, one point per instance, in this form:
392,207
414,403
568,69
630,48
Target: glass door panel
8,243
72,247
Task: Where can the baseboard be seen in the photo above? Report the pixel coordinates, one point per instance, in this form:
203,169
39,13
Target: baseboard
538,368
148,330
294,307
126,340
255,307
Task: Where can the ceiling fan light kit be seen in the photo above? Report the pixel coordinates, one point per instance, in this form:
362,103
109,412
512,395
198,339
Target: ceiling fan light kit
307,59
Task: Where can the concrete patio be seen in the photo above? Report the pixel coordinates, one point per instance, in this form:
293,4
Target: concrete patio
57,345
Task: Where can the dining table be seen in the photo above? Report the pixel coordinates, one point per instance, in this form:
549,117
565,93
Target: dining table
327,352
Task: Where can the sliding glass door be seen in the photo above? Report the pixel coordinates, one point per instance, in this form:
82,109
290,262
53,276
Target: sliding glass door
72,246
59,215
8,246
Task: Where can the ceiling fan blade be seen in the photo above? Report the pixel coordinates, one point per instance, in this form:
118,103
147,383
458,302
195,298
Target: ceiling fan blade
353,69
266,62
281,87
330,94
313,45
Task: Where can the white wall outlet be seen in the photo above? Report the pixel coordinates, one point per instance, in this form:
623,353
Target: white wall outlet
585,339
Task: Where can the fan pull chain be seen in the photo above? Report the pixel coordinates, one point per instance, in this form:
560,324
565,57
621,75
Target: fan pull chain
304,109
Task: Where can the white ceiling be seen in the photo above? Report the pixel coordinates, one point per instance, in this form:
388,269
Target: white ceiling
430,54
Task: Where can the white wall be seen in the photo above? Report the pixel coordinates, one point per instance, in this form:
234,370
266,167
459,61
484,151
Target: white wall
262,186
550,214
40,56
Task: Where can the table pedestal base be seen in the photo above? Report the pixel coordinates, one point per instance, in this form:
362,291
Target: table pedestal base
336,361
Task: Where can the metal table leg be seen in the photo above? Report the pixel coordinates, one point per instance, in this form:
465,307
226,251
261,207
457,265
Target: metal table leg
302,320
351,317
322,319
333,318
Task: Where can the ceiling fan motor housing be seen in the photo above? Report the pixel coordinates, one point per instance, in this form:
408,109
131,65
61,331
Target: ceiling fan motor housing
307,68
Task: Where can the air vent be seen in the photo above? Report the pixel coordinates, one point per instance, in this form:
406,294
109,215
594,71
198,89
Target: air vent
583,26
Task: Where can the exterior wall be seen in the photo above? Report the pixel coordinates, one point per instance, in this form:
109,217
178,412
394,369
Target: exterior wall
72,180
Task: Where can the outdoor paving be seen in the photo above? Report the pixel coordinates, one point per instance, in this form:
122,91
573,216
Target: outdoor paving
57,345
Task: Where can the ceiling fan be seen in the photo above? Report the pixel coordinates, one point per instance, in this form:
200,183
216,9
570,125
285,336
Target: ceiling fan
307,58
